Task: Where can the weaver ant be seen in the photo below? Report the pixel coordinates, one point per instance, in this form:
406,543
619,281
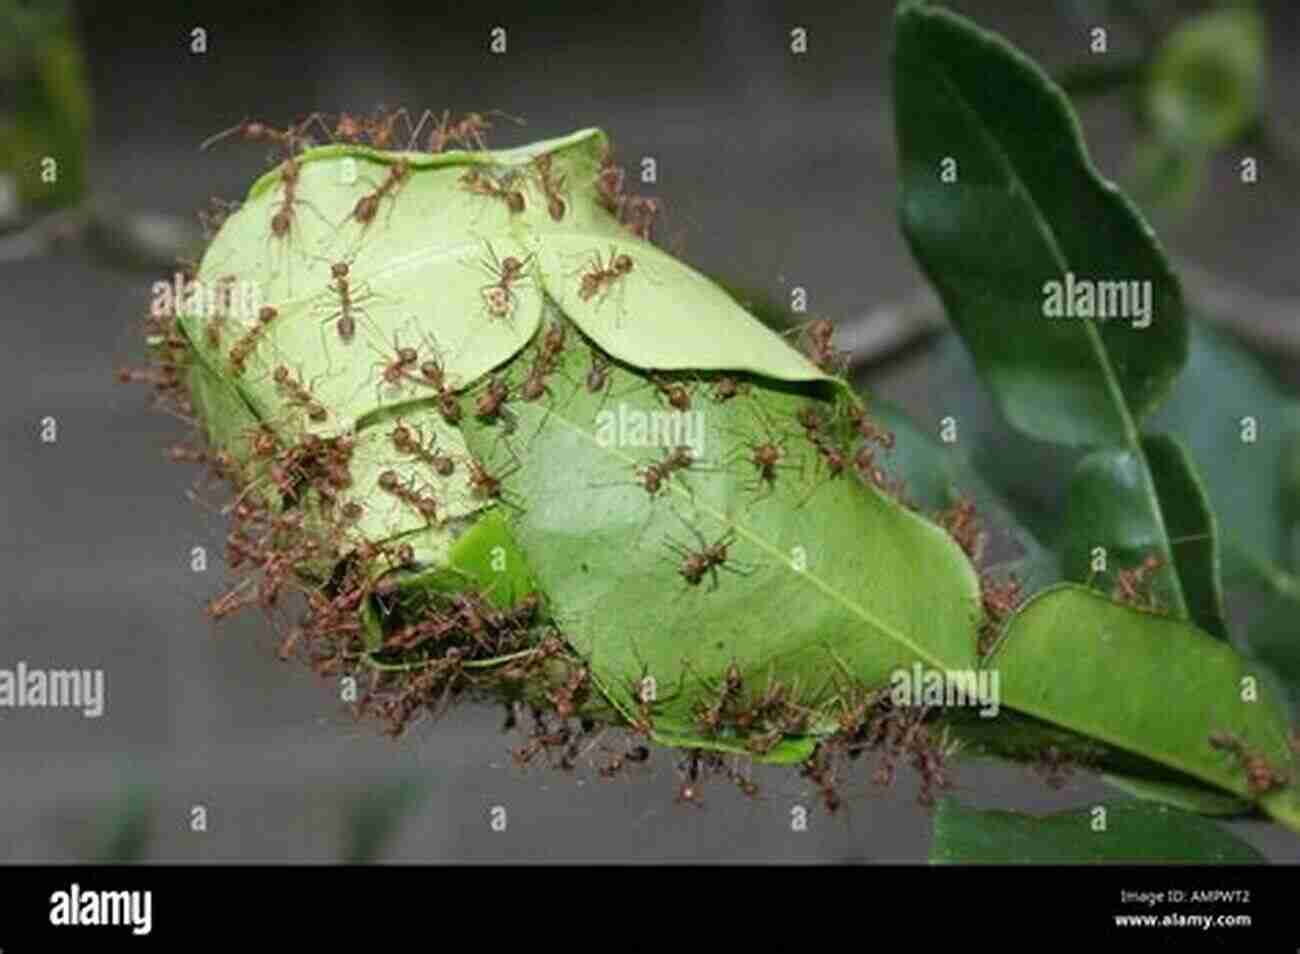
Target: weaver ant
653,476
368,205
408,439
349,297
727,387
298,394
552,187
485,485
766,456
707,560
291,140
600,276
427,506
480,183
1130,583
245,346
498,296
283,219
467,131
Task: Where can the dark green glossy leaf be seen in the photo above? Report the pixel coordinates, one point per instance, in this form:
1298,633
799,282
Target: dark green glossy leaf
1149,685
1133,832
1110,529
1179,794
1239,427
1011,223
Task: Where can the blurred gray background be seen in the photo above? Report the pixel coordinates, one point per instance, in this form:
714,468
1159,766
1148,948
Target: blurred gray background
776,171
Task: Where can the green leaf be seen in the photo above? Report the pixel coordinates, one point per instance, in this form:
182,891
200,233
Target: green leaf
423,271
1134,832
994,239
1108,509
1240,439
1147,684
1189,798
819,581
696,324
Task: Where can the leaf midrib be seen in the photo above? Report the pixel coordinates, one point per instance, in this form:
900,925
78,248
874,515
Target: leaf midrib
1132,440
834,595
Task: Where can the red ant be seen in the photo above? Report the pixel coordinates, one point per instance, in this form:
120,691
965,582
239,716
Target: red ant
834,457
962,523
766,456
244,347
492,399
283,219
398,369
710,558
498,297
250,130
480,183
348,300
552,186
638,213
298,394
598,374
433,375
368,205
819,334
609,182
426,505
534,386
653,476
380,129
484,484
679,399
868,428
727,387
565,698
601,276
406,441
1130,583
466,131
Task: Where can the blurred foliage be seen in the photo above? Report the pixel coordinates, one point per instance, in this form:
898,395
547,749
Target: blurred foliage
1132,832
1196,89
44,110
373,819
1202,94
125,837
